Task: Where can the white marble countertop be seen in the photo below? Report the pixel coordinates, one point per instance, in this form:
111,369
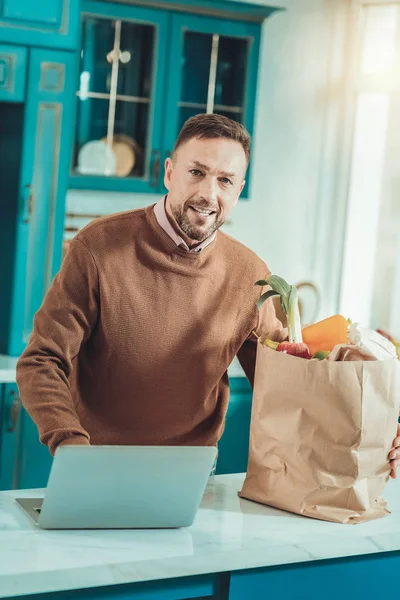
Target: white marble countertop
7,368
229,533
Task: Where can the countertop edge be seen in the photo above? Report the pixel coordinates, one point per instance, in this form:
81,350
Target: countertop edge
167,569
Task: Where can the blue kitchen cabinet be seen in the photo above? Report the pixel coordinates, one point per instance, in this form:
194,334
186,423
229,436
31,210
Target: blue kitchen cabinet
13,60
144,71
24,461
32,220
48,23
33,459
10,408
233,447
120,98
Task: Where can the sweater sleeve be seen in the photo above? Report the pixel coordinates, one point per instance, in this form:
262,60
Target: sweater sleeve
64,321
266,324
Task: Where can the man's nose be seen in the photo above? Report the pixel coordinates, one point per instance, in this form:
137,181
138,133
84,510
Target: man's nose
209,188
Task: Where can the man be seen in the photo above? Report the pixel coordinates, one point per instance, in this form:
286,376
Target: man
135,335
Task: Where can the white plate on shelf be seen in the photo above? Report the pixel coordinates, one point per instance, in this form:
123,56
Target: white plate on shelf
96,158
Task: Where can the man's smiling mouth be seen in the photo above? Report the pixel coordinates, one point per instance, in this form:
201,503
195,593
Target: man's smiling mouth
203,211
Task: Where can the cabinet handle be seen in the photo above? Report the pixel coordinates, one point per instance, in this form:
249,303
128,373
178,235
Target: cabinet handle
14,413
27,203
155,168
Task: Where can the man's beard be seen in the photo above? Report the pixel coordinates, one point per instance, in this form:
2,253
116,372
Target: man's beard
197,233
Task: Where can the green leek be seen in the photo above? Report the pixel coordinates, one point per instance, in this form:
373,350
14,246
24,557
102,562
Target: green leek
289,298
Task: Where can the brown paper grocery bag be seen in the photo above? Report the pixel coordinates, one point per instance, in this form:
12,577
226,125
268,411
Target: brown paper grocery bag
320,435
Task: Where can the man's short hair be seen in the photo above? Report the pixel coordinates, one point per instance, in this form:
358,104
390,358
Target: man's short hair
211,126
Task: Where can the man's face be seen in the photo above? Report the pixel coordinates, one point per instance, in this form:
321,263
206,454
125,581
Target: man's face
204,181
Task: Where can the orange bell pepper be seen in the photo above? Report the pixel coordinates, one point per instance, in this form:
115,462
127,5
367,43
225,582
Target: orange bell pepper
325,334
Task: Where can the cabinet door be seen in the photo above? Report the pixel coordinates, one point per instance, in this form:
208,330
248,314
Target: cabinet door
120,108
12,73
52,23
233,447
40,11
10,410
33,460
214,65
47,140
24,461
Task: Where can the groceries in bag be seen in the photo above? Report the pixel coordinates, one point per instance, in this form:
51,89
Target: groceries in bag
321,430
327,338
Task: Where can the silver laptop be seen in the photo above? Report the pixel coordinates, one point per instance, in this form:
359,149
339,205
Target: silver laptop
113,487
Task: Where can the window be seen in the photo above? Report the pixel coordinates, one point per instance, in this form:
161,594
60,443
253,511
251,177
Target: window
371,267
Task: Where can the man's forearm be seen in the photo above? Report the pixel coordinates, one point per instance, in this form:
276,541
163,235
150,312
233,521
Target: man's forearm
46,395
64,321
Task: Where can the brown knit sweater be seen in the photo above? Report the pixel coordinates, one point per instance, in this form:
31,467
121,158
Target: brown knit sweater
133,340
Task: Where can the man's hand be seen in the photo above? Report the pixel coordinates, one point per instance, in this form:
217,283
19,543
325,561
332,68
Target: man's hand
394,454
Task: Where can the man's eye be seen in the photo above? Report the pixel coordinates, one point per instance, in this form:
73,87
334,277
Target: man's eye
226,181
195,172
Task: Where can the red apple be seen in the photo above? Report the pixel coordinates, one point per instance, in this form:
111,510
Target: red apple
299,350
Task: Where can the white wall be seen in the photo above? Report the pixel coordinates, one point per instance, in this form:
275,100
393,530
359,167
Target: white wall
295,219
296,200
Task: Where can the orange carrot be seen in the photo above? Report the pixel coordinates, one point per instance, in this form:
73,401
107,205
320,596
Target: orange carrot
325,334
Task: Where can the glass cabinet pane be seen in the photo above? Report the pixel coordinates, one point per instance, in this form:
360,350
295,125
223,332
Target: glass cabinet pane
131,117
214,73
230,82
92,115
114,98
97,41
196,67
135,68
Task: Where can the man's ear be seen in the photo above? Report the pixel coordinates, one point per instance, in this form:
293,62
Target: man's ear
168,168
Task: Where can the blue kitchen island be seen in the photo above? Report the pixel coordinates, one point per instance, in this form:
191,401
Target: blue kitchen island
235,549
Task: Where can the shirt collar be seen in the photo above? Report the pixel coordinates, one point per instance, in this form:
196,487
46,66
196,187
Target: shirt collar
163,221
